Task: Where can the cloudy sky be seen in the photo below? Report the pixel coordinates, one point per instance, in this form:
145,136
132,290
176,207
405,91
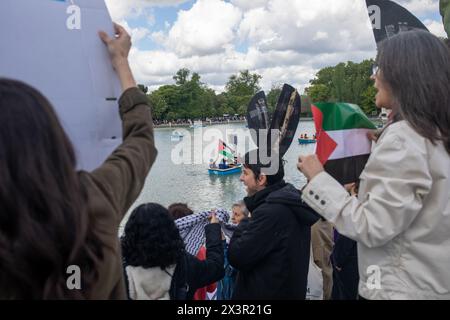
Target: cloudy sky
286,41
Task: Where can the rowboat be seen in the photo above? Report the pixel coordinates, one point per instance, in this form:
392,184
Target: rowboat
176,136
306,141
223,172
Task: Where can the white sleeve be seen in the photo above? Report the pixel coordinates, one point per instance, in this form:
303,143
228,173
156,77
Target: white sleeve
393,185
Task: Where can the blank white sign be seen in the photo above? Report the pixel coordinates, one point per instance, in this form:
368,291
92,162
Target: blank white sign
70,67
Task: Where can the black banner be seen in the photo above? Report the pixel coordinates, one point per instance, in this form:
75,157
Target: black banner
389,18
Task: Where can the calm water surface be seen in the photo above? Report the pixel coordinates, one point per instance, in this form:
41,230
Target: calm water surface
190,183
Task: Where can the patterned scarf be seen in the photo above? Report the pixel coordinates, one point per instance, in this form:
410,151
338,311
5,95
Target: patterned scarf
192,228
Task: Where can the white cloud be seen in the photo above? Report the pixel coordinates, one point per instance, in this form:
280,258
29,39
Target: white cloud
436,28
248,5
283,40
121,9
207,28
308,26
420,7
137,34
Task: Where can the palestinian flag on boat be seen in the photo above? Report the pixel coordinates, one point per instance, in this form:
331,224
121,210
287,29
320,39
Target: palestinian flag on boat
342,144
226,150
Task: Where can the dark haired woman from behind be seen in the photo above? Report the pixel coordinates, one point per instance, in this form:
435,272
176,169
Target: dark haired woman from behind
157,267
401,216
179,210
53,217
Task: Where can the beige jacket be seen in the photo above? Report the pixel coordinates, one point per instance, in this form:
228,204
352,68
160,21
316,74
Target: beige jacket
322,247
401,218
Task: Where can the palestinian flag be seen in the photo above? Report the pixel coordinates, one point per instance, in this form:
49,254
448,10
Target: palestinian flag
342,144
225,150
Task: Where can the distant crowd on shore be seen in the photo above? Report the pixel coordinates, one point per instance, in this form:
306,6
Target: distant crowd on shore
189,122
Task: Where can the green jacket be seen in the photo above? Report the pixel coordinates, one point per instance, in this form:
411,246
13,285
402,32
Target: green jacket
114,186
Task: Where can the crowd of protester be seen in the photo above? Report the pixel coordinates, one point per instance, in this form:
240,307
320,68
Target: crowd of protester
398,219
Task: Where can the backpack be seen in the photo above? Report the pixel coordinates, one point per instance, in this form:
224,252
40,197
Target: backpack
179,287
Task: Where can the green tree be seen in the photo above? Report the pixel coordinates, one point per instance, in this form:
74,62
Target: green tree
189,98
181,76
318,93
171,95
306,105
346,82
244,84
368,100
240,89
159,105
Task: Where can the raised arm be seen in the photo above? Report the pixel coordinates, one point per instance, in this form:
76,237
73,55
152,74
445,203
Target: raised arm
396,180
122,176
206,272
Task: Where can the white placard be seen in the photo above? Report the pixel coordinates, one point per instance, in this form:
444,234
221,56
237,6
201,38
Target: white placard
54,46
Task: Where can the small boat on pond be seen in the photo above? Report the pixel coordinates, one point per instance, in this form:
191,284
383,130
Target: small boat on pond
176,136
227,171
229,163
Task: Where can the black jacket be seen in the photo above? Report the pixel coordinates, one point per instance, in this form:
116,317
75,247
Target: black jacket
271,249
345,251
192,274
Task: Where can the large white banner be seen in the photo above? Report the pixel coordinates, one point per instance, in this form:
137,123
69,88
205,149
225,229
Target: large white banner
54,46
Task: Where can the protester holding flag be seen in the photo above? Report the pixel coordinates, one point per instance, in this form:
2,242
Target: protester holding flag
401,216
53,219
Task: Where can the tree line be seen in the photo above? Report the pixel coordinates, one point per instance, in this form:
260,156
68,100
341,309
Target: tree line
189,98
346,82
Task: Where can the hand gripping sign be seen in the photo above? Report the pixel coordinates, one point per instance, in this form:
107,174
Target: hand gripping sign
53,45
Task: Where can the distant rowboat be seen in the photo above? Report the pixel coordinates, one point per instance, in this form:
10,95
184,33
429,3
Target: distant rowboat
222,172
306,141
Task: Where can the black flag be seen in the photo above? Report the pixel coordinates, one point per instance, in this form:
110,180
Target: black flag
286,118
257,116
389,18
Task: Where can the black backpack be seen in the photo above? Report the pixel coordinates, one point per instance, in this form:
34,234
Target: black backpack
179,287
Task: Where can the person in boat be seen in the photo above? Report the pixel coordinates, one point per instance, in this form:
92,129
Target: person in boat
306,136
212,164
223,164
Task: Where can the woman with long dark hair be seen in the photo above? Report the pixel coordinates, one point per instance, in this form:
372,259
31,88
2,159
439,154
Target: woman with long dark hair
53,218
401,216
157,266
